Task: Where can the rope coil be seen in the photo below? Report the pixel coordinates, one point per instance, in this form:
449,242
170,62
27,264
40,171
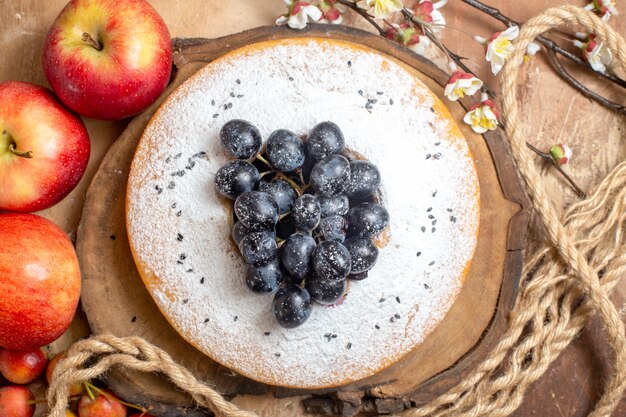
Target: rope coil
565,281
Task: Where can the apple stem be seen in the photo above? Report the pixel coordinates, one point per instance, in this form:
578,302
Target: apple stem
14,151
87,38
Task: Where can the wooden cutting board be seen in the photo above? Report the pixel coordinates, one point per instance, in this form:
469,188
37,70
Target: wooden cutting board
116,301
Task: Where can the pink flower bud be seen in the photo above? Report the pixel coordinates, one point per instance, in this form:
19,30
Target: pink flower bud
561,153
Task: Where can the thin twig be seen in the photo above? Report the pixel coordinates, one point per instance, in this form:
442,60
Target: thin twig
547,157
352,5
409,16
552,47
457,59
429,33
565,75
548,43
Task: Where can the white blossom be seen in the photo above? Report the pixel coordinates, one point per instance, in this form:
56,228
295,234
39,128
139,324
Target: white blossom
428,11
483,116
461,84
595,53
499,47
381,8
599,57
299,14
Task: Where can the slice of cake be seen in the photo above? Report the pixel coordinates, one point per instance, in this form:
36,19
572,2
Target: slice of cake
179,225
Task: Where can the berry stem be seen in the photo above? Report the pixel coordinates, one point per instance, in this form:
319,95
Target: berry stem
89,385
90,40
35,402
89,393
14,151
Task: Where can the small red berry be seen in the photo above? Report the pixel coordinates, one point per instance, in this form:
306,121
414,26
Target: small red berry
22,366
75,389
16,401
104,405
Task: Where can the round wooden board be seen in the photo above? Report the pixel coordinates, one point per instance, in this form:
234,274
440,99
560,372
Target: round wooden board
116,301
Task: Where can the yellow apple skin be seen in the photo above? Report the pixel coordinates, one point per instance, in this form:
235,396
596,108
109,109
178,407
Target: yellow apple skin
108,59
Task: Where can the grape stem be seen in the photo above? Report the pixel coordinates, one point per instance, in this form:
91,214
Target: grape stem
301,176
291,182
260,158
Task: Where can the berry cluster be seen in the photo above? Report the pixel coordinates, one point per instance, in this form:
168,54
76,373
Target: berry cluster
306,222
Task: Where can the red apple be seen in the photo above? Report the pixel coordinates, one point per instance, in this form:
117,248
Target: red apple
44,148
108,59
104,405
39,281
16,401
75,389
22,366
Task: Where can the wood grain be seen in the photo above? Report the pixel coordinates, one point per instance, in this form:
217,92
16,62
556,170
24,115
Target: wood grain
110,276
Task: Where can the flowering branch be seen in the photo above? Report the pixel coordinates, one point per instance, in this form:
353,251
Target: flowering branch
423,21
549,158
352,5
457,59
565,75
548,43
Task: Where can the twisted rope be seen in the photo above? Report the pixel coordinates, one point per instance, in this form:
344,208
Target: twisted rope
589,240
133,353
565,281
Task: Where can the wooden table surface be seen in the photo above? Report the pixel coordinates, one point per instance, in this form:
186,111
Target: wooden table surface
555,113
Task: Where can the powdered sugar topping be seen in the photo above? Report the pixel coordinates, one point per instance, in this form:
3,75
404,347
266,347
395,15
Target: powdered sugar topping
179,227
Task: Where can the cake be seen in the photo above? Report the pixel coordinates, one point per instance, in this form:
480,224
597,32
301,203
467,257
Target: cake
179,227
